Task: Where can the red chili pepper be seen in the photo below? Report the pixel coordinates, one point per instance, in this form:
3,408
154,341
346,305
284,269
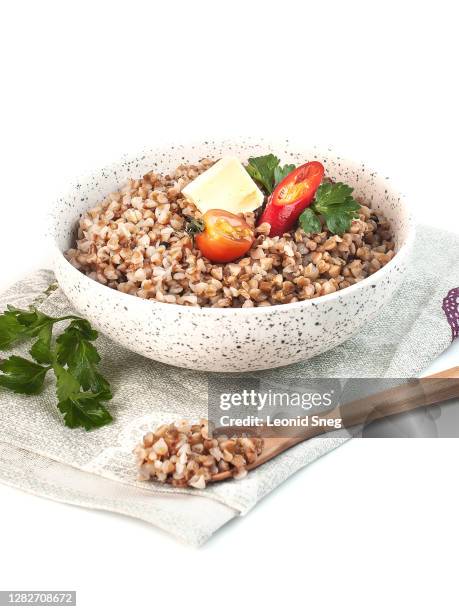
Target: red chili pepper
293,194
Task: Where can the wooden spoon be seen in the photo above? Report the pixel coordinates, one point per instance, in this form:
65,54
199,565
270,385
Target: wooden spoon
426,391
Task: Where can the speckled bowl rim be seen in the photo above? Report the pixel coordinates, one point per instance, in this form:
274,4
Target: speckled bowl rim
401,254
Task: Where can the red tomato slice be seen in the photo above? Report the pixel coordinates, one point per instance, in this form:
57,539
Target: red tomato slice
226,237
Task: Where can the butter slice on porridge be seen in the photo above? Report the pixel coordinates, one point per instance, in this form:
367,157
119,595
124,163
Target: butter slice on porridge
227,186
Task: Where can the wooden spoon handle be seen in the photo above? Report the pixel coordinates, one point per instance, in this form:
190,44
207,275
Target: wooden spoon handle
420,392
426,391
451,373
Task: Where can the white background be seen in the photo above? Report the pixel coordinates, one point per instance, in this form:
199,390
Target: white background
374,524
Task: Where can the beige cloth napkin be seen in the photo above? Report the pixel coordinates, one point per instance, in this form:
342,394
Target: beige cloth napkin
97,470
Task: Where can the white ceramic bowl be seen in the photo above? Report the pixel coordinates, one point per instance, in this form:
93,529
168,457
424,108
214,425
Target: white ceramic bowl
230,339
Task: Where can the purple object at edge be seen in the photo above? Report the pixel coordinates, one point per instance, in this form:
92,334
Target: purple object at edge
451,310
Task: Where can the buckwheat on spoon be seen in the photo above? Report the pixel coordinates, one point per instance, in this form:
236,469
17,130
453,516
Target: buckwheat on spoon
184,454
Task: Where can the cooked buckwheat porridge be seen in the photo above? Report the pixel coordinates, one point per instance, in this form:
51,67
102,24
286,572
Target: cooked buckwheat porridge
138,241
187,454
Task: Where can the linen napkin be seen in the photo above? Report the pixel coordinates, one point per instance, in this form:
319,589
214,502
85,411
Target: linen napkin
97,469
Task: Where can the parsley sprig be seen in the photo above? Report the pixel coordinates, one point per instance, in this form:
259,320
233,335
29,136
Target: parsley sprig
335,203
80,388
266,171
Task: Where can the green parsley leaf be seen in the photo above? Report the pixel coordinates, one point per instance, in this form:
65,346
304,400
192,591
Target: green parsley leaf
75,350
17,324
335,202
80,388
84,409
66,384
261,169
10,330
22,375
41,350
80,409
338,223
310,222
266,171
281,172
33,320
332,193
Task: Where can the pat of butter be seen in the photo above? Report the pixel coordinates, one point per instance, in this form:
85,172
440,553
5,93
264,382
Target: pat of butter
226,185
